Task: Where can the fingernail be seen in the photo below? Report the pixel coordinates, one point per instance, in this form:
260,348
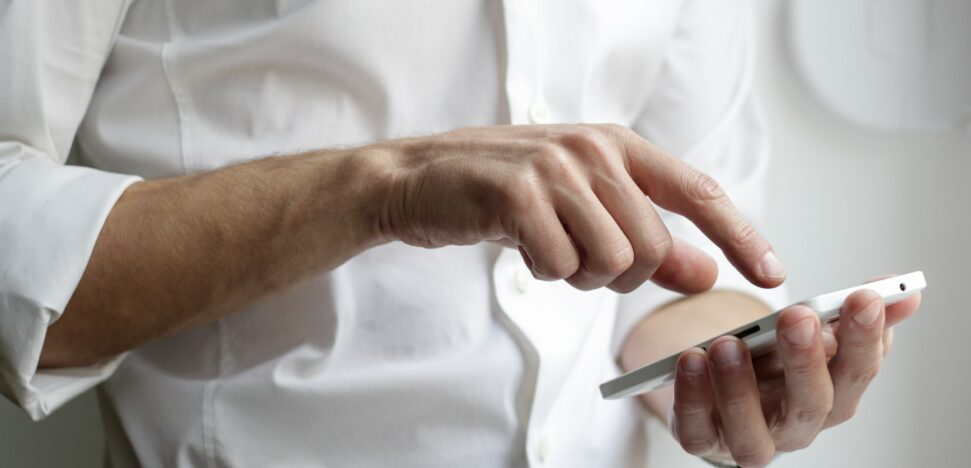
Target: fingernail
869,314
801,334
727,353
693,363
772,267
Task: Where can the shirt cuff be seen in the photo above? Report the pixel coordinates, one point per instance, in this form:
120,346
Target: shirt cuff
49,389
47,235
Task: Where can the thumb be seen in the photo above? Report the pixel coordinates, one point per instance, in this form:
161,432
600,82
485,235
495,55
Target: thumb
687,269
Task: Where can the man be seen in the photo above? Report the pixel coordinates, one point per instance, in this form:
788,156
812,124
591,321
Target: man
287,311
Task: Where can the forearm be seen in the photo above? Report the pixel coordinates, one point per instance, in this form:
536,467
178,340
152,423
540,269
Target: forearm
181,252
696,318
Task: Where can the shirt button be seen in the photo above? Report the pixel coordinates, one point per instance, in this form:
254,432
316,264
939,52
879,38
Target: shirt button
543,449
539,113
521,279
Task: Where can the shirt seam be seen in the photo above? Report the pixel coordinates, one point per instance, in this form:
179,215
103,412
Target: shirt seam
181,101
208,401
182,104
179,95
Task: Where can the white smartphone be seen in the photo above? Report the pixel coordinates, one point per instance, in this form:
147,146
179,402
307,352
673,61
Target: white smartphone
759,335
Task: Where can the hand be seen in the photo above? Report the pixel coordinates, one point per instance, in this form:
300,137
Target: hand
727,407
572,199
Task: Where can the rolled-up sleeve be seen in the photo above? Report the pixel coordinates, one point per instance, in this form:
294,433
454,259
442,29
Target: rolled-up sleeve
51,55
703,110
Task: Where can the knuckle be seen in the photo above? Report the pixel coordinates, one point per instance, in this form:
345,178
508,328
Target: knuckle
795,444
558,270
551,161
843,415
540,147
753,457
585,142
688,410
704,189
744,235
696,444
614,127
547,147
584,132
626,286
735,404
582,281
655,251
618,131
520,193
804,367
812,414
616,264
864,375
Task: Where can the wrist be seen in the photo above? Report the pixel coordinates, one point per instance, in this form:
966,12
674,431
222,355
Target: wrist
372,178
391,168
368,179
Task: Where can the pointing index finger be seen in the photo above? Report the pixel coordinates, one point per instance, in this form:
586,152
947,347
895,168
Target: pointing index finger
678,187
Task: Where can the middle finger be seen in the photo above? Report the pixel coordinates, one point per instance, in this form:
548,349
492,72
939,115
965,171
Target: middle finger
860,352
737,398
808,389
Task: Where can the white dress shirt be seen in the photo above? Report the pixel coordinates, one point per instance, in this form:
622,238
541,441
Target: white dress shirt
402,356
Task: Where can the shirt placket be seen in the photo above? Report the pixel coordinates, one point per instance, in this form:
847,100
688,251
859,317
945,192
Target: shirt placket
525,64
518,294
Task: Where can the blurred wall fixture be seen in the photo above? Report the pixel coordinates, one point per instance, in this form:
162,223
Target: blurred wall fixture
891,65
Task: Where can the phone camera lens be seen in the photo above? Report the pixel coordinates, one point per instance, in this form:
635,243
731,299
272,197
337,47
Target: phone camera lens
903,287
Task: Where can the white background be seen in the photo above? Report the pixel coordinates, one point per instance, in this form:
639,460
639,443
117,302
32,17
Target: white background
846,204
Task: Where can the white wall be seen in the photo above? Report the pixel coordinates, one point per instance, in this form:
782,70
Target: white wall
847,204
